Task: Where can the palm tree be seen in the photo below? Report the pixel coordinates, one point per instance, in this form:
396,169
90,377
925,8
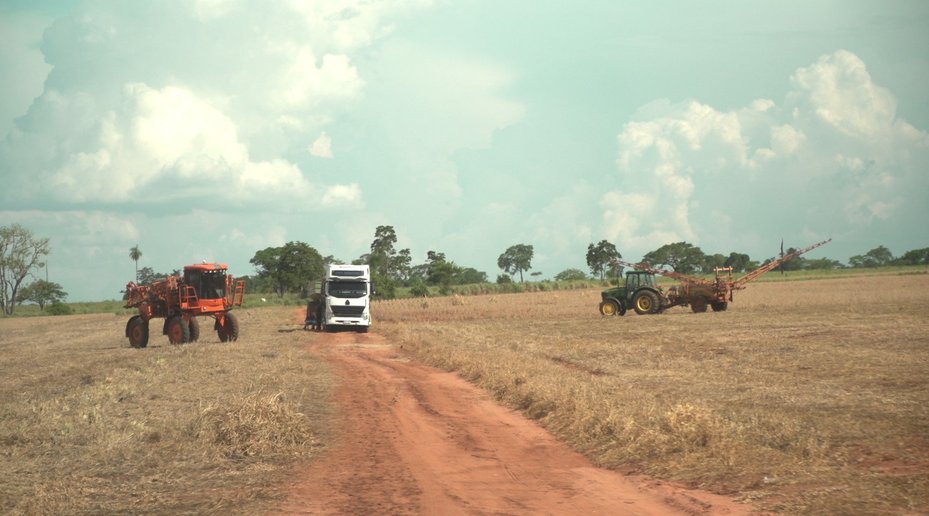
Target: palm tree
135,254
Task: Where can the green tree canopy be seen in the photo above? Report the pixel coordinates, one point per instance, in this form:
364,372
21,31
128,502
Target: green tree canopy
738,261
42,293
681,256
877,257
915,257
20,253
571,275
289,268
601,257
517,258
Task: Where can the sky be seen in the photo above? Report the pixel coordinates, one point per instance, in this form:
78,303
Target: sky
212,129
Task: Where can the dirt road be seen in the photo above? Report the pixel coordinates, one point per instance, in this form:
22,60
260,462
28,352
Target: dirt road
415,440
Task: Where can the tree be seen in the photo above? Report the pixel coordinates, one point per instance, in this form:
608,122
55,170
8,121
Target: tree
134,255
681,256
877,257
147,276
738,261
42,293
571,275
601,256
517,258
915,257
288,268
711,262
20,252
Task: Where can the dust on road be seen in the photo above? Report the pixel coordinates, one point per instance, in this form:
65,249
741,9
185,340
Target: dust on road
416,440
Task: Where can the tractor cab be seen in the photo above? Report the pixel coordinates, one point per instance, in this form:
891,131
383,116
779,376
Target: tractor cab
208,280
637,279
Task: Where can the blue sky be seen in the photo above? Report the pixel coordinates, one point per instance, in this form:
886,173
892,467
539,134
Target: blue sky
212,129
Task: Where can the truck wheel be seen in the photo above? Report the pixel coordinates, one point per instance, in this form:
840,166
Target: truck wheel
611,307
178,330
698,306
194,330
137,331
229,330
719,306
645,302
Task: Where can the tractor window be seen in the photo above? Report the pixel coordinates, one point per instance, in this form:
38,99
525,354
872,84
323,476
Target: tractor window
347,289
632,281
212,285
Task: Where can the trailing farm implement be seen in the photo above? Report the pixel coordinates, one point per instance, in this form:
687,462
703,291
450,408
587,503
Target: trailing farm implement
642,293
204,290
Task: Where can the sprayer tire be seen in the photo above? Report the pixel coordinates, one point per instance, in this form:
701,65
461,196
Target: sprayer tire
719,306
178,330
137,331
229,330
194,330
646,302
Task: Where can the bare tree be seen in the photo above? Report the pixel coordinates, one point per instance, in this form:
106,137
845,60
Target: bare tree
20,252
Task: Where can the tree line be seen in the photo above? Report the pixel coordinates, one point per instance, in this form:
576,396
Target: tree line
291,267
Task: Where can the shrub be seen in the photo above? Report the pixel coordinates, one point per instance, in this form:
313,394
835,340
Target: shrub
58,308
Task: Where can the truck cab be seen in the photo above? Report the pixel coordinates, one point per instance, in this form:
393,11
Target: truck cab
346,292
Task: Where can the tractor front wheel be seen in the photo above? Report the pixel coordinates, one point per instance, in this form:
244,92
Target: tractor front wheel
137,331
229,329
719,306
178,330
646,302
611,307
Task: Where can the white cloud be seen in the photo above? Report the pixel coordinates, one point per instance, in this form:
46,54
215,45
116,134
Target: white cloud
322,146
834,154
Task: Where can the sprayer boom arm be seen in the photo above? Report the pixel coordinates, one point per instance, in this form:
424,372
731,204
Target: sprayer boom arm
739,283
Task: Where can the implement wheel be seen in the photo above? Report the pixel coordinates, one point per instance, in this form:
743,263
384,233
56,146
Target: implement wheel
719,306
611,307
229,329
646,302
698,305
178,330
137,331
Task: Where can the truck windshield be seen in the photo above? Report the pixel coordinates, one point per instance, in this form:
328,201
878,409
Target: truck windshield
351,289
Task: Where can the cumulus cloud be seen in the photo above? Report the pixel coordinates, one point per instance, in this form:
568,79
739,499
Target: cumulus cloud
833,155
123,120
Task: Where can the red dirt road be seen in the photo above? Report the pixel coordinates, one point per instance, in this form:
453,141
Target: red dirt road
416,440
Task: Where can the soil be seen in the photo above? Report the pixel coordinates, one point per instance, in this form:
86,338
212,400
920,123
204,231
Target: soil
412,439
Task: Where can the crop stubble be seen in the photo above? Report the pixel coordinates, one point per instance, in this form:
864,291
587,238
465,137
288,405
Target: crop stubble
803,397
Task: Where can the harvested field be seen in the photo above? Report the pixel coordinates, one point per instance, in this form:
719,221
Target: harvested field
88,425
804,397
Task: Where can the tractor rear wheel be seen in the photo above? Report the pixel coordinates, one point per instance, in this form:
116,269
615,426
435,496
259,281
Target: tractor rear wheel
611,307
645,302
719,306
698,305
137,331
178,330
194,330
229,329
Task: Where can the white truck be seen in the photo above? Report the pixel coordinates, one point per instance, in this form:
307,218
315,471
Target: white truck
346,292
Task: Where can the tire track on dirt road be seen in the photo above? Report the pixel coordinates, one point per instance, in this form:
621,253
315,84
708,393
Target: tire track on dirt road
415,440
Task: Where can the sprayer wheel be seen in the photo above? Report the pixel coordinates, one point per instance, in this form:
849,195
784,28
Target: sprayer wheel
137,331
178,330
229,330
194,330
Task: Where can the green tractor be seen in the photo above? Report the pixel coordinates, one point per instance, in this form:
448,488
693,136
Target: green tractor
646,297
640,292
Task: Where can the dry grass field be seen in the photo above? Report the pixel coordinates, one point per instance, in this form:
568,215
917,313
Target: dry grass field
88,425
805,397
